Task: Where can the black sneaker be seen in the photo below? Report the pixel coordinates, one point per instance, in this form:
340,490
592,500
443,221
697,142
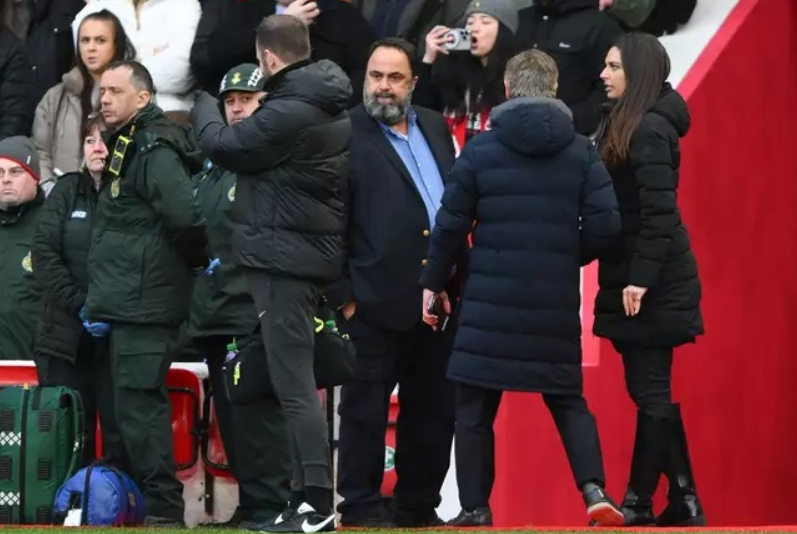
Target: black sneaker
600,508
478,517
303,519
239,521
152,521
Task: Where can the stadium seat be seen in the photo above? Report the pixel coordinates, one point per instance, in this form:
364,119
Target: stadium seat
185,392
213,454
18,373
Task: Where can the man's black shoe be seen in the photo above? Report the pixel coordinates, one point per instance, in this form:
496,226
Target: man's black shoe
428,519
478,517
600,508
375,519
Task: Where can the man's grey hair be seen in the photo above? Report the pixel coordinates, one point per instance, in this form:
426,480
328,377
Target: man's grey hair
531,74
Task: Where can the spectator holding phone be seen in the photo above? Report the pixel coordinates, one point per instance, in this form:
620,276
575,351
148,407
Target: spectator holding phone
546,207
461,75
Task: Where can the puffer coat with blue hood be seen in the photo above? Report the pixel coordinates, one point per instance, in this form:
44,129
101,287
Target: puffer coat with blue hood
544,206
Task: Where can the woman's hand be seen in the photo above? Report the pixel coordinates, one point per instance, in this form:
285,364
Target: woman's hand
632,299
435,40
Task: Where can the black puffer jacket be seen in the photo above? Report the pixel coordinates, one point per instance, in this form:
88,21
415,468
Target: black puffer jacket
224,39
45,26
578,36
654,250
16,108
292,160
544,206
60,253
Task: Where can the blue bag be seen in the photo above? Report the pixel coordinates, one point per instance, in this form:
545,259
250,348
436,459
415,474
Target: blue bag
105,497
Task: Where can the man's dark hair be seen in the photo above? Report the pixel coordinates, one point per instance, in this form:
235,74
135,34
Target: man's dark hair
139,75
646,65
397,44
286,36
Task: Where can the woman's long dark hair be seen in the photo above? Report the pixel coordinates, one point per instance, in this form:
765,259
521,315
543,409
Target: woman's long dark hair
122,49
462,75
646,66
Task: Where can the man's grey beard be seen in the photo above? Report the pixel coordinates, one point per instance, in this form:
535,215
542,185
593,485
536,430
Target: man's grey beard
390,114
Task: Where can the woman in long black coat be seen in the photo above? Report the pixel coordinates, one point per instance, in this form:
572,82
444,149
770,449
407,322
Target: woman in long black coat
649,297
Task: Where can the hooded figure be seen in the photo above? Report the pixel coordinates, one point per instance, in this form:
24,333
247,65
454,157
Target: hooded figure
545,207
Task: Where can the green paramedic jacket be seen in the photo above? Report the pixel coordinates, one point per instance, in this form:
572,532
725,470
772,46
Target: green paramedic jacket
221,304
149,236
21,299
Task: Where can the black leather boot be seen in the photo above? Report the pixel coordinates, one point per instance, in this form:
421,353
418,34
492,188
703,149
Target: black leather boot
683,508
647,464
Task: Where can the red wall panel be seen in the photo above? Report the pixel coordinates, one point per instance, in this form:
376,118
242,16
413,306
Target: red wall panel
738,384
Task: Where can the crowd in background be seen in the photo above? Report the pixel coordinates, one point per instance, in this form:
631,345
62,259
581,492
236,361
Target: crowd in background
190,44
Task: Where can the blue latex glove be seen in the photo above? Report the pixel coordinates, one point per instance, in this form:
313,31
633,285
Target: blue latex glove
215,262
97,329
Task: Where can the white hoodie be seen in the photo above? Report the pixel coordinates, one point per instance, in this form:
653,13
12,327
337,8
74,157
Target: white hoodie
163,32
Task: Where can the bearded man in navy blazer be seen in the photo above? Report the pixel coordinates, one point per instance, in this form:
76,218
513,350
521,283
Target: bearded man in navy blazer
400,156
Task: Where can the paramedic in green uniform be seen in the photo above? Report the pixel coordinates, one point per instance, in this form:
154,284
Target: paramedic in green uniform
20,201
254,436
66,354
148,240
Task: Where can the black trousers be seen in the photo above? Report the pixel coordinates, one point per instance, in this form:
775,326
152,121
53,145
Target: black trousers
90,377
255,439
140,357
416,360
475,441
286,307
648,376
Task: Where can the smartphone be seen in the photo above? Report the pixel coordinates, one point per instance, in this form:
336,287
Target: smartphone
458,39
436,308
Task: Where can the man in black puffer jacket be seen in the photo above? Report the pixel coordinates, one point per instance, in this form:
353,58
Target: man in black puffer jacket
578,36
292,157
16,109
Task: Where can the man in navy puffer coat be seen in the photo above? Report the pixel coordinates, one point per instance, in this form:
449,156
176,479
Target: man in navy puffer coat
544,206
